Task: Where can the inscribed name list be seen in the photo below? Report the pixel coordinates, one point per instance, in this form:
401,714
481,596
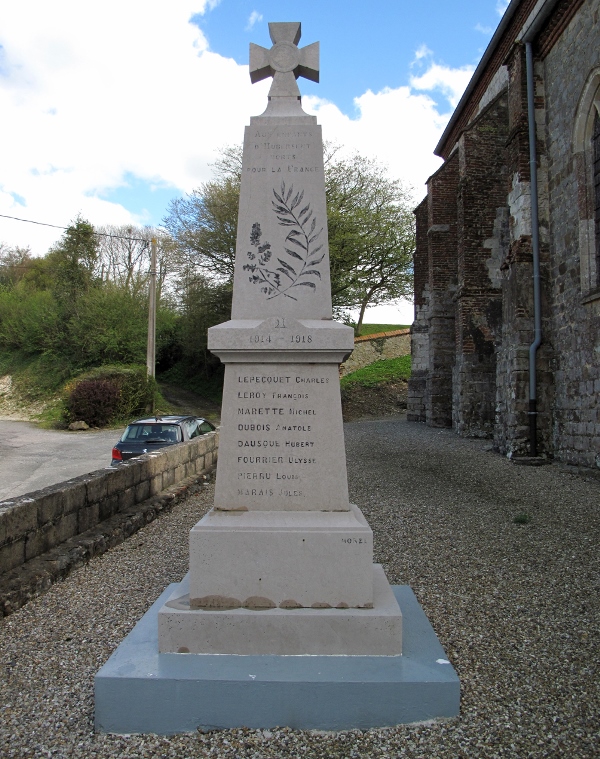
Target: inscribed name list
283,439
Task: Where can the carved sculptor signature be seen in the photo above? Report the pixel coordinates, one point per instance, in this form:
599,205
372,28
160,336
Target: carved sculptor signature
297,270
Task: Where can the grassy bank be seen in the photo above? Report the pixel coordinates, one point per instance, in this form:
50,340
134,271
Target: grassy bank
373,329
381,372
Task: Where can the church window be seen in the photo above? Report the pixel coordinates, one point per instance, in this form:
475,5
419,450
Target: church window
586,153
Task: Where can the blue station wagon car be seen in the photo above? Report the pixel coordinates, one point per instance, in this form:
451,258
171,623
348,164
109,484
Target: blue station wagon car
147,435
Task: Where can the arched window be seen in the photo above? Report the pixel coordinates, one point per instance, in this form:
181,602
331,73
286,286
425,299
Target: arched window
586,148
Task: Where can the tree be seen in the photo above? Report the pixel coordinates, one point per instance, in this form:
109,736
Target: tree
14,262
72,263
124,257
371,233
204,223
371,228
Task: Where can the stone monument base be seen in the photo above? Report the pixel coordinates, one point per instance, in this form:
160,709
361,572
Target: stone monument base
283,632
286,559
140,690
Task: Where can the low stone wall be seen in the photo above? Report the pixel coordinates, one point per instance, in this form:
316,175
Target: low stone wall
34,524
371,348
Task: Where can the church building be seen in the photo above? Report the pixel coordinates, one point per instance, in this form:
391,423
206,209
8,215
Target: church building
506,337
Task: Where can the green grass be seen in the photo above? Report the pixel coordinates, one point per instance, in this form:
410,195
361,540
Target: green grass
522,518
39,381
373,329
388,370
36,377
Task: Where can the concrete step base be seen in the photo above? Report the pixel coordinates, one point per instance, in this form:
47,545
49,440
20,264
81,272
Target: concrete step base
141,691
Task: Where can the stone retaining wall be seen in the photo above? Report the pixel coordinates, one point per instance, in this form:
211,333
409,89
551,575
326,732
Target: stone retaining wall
37,522
371,348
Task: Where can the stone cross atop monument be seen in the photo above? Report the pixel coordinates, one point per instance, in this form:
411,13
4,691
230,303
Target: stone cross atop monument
285,62
282,254
282,582
282,537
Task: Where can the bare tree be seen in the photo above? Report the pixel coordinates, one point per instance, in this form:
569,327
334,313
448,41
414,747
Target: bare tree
125,257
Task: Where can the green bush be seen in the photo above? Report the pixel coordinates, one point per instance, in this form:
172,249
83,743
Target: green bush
134,388
94,401
29,321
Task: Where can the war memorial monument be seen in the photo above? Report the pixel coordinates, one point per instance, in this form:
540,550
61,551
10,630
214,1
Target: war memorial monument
283,619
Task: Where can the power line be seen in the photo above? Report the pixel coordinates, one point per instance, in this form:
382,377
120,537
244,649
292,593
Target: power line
56,226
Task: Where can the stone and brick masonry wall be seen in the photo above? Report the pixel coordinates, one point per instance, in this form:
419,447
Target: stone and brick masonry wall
371,348
474,313
44,534
574,317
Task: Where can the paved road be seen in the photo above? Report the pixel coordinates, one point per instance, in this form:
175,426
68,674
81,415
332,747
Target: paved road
32,458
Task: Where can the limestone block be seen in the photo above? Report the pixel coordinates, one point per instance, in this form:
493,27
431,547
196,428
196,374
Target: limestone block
40,541
142,491
156,484
126,499
12,555
278,559
50,506
281,439
156,463
18,518
74,496
350,632
168,478
67,527
119,479
141,468
88,517
108,506
96,486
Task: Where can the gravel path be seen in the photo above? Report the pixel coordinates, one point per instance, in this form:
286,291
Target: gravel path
515,606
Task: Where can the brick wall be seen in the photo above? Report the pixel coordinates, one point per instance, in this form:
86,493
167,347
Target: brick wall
417,384
481,248
441,243
575,319
479,253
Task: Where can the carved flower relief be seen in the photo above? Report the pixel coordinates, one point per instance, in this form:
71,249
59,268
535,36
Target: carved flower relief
297,268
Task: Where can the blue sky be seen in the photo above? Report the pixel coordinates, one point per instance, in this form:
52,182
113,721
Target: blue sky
364,45
113,109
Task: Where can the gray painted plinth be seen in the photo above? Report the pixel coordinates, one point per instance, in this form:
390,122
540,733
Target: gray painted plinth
141,691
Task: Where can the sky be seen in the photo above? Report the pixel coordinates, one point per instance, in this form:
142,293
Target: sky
110,110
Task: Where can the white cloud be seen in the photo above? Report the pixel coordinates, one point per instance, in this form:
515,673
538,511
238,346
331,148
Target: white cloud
93,95
487,30
450,82
90,92
436,77
396,126
501,6
255,17
421,52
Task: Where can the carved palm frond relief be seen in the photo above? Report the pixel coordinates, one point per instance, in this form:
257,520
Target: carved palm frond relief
301,248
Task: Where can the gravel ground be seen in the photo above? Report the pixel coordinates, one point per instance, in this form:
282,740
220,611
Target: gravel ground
514,604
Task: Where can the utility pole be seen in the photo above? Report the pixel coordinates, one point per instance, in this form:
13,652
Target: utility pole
151,353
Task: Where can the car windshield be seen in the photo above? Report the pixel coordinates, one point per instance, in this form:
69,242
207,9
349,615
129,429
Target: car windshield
151,433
